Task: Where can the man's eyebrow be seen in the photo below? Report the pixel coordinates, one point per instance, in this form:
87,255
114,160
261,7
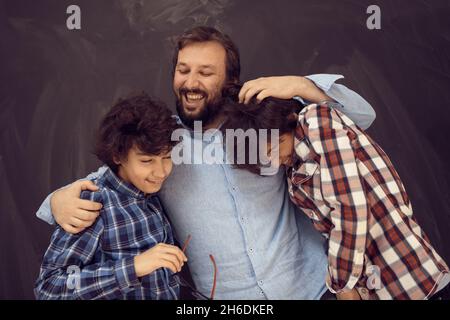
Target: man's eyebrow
203,66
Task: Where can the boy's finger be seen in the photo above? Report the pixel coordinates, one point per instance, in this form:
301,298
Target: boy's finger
185,259
176,260
85,215
167,263
88,205
183,255
176,251
173,253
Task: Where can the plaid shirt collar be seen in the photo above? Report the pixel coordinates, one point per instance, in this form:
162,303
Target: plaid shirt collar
122,186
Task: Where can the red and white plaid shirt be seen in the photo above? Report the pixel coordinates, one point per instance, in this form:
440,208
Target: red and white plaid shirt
349,188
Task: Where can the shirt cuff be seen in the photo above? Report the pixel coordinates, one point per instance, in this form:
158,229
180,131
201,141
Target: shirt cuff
324,81
45,212
351,282
126,275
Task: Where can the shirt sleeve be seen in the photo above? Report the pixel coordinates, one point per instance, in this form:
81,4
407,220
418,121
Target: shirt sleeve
45,212
68,270
351,104
342,191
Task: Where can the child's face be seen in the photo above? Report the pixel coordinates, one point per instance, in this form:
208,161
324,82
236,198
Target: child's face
145,172
285,151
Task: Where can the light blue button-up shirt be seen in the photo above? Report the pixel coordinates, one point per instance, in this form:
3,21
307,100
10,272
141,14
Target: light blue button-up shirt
264,248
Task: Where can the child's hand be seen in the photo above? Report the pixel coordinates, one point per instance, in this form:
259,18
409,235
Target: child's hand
160,256
349,295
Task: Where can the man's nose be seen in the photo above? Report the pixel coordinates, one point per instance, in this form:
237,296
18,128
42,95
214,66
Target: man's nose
192,81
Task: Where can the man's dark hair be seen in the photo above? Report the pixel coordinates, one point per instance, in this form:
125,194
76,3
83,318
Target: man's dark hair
138,121
204,34
271,113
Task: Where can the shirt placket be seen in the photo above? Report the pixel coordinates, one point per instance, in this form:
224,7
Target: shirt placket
155,206
243,221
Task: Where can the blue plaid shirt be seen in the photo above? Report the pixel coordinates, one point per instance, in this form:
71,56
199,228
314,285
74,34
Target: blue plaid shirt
129,224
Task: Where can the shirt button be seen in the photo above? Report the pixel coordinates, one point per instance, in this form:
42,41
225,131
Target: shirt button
356,275
260,282
250,250
364,293
261,293
360,250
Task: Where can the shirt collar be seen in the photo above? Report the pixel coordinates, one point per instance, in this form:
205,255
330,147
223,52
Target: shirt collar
122,186
191,131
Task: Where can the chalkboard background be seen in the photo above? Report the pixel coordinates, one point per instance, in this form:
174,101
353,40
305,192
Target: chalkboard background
55,84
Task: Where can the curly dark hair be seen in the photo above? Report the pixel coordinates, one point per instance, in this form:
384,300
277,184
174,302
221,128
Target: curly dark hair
139,121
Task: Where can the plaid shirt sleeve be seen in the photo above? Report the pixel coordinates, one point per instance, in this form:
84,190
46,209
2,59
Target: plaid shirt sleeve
68,273
342,191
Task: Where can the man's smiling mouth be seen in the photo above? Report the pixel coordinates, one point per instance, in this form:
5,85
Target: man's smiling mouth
192,101
192,97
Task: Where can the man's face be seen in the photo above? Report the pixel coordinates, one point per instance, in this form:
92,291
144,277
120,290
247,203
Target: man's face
145,172
198,81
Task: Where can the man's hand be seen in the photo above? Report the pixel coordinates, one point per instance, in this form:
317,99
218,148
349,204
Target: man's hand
72,213
160,256
349,295
285,87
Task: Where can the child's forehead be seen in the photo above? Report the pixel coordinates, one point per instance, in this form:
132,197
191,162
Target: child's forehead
139,152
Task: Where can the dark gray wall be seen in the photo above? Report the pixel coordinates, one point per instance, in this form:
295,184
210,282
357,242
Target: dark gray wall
55,84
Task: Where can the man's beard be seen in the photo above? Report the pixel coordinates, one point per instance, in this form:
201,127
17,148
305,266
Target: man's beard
207,114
